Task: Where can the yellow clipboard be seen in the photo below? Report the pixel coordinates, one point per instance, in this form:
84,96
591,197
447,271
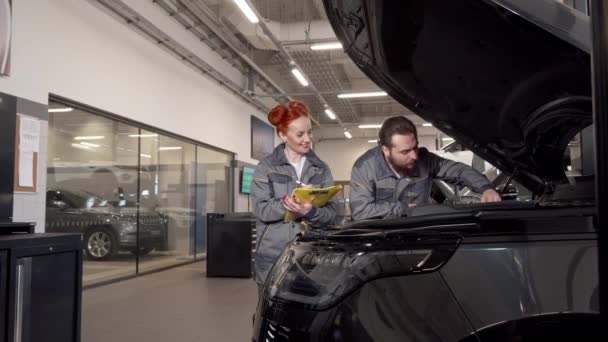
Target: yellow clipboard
322,195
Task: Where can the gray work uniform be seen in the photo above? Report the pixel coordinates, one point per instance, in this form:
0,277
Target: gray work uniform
377,192
274,178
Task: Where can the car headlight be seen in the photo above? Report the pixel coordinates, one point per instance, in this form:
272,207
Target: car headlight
128,225
317,275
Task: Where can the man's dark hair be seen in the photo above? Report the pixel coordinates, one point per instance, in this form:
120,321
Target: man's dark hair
396,125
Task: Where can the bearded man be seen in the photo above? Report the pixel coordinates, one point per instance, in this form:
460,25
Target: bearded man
396,175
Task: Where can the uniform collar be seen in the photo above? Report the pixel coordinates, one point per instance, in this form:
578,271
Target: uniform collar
278,157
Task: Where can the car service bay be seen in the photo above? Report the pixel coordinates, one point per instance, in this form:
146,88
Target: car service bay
303,170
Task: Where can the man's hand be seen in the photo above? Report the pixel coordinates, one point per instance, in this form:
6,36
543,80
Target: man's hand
489,196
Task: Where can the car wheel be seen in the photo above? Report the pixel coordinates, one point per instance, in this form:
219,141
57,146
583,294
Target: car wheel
100,244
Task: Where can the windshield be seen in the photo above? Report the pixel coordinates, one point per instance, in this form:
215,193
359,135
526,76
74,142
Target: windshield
83,199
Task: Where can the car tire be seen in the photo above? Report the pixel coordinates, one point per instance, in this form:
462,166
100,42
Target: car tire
100,244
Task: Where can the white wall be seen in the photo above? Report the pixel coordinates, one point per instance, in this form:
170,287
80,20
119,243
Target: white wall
73,49
341,154
28,206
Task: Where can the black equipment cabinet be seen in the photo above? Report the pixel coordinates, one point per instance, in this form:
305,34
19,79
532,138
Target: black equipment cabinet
40,287
229,245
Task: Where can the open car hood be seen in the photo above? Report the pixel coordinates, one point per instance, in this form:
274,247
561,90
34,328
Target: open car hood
508,79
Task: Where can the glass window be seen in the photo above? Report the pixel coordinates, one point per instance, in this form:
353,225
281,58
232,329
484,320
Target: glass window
140,198
92,171
167,183
212,190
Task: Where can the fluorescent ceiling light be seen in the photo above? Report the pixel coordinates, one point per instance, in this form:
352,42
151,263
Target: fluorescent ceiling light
89,144
82,147
330,114
247,11
373,141
169,148
426,124
146,155
447,139
348,135
364,94
326,46
92,137
370,126
142,135
298,74
60,110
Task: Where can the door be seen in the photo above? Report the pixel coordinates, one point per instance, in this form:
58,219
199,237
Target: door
3,291
47,288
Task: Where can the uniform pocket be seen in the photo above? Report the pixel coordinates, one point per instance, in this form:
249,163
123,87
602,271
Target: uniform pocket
274,239
418,192
384,194
280,183
316,180
262,237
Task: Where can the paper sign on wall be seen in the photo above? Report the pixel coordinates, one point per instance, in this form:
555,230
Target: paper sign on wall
26,168
29,134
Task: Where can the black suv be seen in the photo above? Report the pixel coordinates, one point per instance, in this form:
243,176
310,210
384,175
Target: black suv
106,229
510,80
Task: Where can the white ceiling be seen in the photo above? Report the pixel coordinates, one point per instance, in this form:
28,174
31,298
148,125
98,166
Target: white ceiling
330,71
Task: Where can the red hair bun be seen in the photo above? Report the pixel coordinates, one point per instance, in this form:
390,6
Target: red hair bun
281,116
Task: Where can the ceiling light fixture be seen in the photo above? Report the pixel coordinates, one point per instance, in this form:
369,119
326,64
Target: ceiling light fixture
298,74
60,110
373,141
82,147
447,139
170,148
92,137
330,114
89,144
142,135
426,124
145,155
326,46
370,126
247,11
348,135
363,94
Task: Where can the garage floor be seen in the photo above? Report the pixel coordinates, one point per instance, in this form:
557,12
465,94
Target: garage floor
179,304
123,265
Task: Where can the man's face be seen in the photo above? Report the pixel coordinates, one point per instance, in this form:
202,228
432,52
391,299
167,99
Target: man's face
403,153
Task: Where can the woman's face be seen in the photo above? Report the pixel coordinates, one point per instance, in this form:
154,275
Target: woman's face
299,135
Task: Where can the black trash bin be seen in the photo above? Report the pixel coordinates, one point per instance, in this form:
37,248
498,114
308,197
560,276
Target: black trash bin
229,244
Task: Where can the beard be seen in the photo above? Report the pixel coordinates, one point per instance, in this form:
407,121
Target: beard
400,167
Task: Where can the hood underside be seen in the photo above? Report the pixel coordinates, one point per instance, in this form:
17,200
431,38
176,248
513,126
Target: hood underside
507,88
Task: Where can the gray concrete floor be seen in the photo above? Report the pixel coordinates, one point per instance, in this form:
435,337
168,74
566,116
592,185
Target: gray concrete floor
178,305
123,265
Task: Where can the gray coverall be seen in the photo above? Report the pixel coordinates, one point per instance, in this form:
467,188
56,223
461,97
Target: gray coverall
377,192
274,178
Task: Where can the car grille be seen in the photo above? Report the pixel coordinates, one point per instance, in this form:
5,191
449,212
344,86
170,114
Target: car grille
150,220
276,333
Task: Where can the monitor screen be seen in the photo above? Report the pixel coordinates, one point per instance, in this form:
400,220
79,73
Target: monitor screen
246,178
